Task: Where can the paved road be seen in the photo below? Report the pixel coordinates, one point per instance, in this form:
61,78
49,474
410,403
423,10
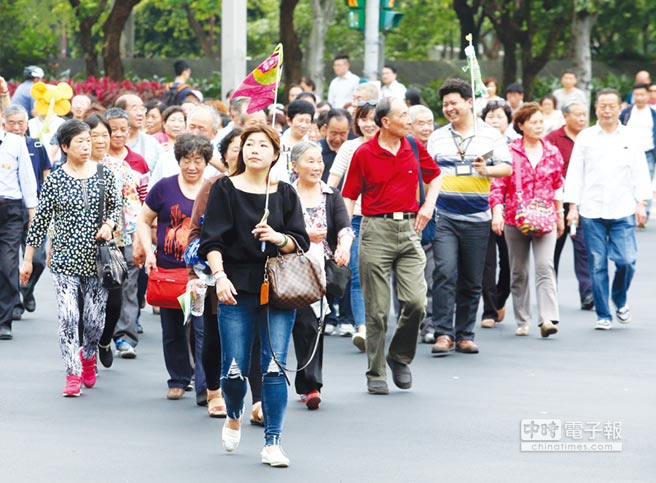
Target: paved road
461,420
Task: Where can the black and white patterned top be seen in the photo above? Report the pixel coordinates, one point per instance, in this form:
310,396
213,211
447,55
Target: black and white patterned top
72,205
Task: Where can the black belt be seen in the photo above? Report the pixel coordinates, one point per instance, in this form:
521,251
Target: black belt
397,215
7,200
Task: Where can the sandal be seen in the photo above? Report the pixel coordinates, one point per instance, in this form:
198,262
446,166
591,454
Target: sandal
216,407
257,416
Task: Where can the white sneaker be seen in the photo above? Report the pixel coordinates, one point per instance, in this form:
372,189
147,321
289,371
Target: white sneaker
328,329
359,340
604,324
522,330
623,315
230,437
274,456
345,330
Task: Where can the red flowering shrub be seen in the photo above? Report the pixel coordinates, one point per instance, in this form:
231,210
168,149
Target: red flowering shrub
106,91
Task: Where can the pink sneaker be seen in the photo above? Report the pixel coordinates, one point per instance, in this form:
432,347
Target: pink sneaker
88,370
313,400
73,387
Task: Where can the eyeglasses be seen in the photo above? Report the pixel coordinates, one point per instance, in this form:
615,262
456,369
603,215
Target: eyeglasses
138,109
370,102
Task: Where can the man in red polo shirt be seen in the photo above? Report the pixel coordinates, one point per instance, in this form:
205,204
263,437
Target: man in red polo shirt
576,118
385,171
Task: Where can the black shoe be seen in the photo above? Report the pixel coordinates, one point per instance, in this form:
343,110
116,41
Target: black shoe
401,374
377,386
201,399
29,304
587,303
106,355
5,333
17,314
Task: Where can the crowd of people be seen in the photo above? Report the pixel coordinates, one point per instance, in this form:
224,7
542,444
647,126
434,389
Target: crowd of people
430,221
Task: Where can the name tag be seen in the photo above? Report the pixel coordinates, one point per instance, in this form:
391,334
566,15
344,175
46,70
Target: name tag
463,168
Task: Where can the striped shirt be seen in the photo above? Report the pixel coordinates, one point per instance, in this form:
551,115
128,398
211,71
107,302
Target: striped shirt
465,198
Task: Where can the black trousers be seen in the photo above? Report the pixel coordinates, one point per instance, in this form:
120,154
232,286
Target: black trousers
211,353
495,290
305,334
38,265
11,226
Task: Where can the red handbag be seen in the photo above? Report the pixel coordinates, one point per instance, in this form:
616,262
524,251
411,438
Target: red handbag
165,285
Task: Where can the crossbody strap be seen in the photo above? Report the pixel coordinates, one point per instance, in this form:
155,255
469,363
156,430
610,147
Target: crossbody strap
101,188
415,150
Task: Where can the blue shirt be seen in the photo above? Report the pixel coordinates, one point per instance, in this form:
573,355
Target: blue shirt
23,97
17,180
40,160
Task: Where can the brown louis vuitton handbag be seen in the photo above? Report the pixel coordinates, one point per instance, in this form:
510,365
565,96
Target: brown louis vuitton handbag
295,280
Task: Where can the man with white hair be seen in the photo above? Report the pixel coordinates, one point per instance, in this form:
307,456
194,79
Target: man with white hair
138,141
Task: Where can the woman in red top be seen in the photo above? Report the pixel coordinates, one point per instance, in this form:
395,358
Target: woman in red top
539,167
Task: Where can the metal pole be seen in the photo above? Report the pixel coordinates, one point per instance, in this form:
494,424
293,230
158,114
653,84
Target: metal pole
371,39
233,44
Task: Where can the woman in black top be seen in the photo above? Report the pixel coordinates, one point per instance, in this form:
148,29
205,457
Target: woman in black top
236,240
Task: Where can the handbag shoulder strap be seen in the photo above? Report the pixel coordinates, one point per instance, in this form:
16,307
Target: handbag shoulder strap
518,176
101,188
415,150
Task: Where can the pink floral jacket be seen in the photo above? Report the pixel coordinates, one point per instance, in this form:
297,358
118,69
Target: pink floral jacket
539,182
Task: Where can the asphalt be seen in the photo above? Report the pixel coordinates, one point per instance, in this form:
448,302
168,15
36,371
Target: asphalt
460,421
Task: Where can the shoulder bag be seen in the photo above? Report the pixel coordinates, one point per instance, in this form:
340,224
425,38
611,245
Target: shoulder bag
112,267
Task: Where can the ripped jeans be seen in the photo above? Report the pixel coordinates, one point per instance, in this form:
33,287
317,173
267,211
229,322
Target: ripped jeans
237,325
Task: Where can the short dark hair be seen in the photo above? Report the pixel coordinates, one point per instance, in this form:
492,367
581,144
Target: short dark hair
227,139
304,94
608,90
269,132
515,87
641,85
362,112
95,119
179,66
69,130
342,57
308,82
155,104
166,113
493,106
299,107
568,71
524,113
336,113
552,98
322,119
390,68
455,86
188,143
383,109
413,96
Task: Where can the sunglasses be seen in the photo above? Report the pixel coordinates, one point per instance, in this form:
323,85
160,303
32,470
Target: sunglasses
367,103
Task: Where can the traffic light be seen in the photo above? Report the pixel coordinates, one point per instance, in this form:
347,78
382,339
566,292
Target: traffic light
389,18
355,16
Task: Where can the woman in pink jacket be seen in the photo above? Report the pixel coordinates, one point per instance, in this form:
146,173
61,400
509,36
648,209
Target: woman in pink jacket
538,172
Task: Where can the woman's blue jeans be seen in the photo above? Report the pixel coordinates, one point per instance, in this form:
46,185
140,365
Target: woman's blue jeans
357,301
237,325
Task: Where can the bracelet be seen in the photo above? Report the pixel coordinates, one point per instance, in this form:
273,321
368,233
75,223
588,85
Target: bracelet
219,274
5,93
285,240
561,210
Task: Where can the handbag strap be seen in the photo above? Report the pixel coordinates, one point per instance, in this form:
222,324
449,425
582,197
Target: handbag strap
518,177
415,150
101,188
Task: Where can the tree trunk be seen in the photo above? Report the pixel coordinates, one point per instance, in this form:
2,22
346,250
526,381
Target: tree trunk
509,63
205,42
468,25
293,56
581,33
86,24
323,11
112,29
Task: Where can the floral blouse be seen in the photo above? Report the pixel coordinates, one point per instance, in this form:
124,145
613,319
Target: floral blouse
127,186
72,205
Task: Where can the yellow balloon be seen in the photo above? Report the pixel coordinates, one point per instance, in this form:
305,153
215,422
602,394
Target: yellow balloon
41,106
38,90
62,107
64,91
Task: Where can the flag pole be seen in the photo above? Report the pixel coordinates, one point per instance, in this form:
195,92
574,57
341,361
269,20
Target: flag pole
471,73
278,77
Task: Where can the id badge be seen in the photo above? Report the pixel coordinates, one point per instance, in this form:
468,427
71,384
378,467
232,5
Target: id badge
463,168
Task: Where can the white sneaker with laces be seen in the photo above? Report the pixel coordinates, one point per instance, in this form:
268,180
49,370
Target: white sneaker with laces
328,329
603,324
623,315
274,456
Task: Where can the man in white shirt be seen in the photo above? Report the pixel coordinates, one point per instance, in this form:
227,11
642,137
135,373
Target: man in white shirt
340,90
569,92
607,188
641,118
391,87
